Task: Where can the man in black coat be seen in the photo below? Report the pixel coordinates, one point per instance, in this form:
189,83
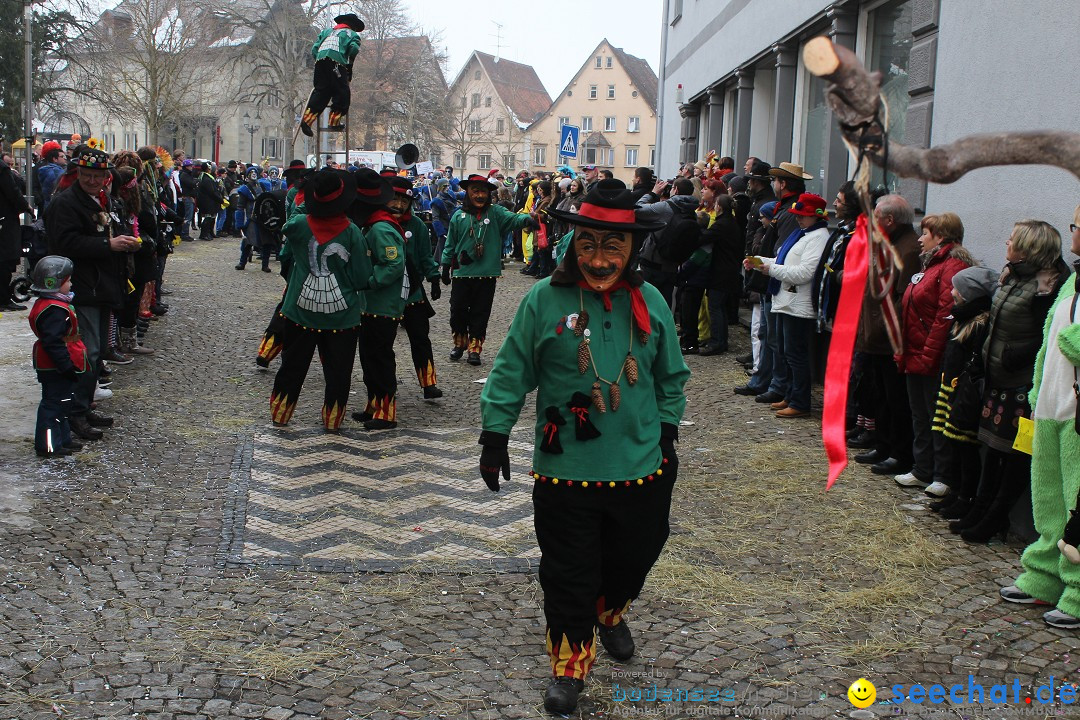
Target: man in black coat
209,201
12,204
189,190
77,226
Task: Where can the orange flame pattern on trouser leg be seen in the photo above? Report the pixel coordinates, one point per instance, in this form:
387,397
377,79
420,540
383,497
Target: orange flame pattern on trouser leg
332,416
335,119
281,408
383,408
309,117
426,375
461,340
609,617
269,348
570,659
476,345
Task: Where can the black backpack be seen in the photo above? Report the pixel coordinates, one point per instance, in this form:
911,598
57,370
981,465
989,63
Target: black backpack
268,212
680,238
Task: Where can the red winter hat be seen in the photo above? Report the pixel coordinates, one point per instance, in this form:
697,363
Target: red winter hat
49,147
809,205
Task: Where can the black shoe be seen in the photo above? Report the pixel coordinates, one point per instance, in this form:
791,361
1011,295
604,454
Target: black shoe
769,397
562,694
99,421
13,306
74,445
690,350
240,266
746,390
942,505
862,441
266,269
473,359
58,452
711,349
262,362
745,359
890,466
115,357
83,429
617,641
106,371
431,392
958,510
871,457
361,417
306,129
456,354
374,424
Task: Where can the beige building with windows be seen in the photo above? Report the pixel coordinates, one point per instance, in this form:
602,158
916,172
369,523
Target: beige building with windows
493,101
612,98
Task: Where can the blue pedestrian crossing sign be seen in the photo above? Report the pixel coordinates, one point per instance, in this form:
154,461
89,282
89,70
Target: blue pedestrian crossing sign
568,140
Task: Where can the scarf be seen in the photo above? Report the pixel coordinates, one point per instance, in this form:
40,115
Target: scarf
638,307
792,239
326,229
67,297
381,215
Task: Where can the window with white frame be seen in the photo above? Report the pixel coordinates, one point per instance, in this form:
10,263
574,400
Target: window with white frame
609,61
586,124
610,123
459,160
509,162
589,155
487,101
270,147
592,92
598,61
564,121
484,161
610,92
500,126
652,156
540,155
476,100
474,127
607,157
633,124
631,155
889,36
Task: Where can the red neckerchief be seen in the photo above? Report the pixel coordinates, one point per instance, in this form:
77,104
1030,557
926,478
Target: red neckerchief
298,198
637,302
381,215
342,26
326,229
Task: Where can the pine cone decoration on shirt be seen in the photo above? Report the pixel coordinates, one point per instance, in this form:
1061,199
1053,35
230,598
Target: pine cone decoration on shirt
583,356
581,323
615,396
630,369
598,397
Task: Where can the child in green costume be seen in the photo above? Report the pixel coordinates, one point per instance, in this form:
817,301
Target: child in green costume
1049,578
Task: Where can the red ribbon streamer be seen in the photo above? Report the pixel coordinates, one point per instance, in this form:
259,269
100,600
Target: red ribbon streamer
838,367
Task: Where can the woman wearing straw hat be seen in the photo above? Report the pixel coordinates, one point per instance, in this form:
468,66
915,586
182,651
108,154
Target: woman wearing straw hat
591,339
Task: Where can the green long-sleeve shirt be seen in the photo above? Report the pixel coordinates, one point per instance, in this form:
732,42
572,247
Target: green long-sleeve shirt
535,355
340,44
467,230
387,251
418,254
326,280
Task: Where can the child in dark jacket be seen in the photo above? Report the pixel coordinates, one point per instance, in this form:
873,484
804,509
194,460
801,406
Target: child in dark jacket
59,354
959,403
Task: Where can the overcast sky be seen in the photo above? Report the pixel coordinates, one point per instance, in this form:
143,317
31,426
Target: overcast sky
554,36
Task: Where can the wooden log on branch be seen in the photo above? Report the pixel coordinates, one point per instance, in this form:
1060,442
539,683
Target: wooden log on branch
855,97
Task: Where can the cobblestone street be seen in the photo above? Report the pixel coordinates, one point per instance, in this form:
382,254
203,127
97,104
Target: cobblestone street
198,563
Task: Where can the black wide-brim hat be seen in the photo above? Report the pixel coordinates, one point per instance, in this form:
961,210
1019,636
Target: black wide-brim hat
351,20
329,192
296,167
371,189
475,179
607,206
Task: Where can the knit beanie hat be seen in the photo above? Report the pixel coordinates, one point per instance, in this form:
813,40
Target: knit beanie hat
768,210
975,282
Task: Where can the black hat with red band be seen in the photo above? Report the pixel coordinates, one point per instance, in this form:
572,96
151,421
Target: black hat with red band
475,179
371,189
607,206
329,192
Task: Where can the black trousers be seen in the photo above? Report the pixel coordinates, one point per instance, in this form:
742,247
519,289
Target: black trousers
331,88
417,327
206,227
337,351
274,337
661,280
689,311
470,309
597,546
886,400
377,335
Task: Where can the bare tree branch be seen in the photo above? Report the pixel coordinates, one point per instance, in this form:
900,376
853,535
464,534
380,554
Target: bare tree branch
854,95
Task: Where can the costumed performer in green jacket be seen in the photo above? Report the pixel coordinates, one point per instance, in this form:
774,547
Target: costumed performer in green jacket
599,346
334,51
473,252
324,299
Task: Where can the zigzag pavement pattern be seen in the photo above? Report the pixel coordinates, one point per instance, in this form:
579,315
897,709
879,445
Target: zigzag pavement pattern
383,502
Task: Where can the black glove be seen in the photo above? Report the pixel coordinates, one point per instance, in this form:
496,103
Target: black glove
531,224
493,458
445,274
436,291
668,435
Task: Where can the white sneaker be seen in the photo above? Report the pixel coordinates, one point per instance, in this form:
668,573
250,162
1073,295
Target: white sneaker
937,489
102,394
909,480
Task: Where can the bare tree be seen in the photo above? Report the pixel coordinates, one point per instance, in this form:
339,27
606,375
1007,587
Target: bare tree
467,125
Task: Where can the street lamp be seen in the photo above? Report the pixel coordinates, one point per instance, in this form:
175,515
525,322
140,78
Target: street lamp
252,128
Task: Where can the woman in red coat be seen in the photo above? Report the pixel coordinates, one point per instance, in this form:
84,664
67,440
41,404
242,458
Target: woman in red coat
927,309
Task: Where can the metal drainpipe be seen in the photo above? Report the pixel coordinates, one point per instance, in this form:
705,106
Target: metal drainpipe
660,89
28,18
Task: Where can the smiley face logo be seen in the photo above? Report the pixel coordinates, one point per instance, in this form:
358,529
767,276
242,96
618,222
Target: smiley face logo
862,693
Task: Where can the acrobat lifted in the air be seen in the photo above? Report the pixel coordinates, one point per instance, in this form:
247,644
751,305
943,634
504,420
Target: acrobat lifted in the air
334,52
